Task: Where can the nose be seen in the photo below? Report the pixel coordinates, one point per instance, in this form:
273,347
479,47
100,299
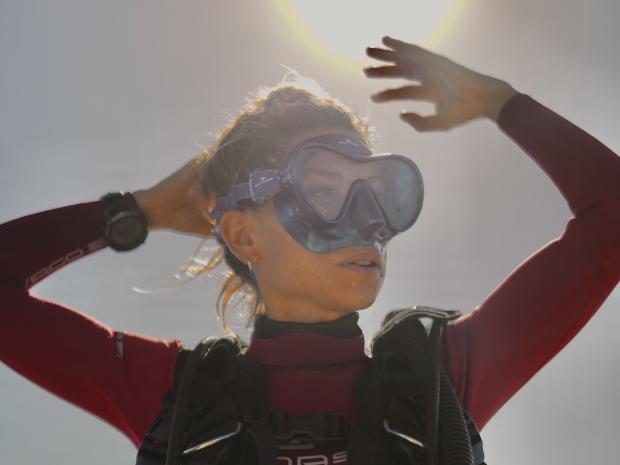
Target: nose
365,212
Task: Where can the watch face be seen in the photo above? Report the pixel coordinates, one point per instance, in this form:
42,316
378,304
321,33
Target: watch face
126,231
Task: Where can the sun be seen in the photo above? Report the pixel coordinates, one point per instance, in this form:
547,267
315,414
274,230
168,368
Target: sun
347,27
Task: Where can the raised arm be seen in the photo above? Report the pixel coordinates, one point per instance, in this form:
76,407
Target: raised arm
120,377
548,298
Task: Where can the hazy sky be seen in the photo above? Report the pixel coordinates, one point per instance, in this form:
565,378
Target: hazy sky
104,96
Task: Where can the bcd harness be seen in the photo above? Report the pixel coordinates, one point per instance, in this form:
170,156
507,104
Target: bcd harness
406,407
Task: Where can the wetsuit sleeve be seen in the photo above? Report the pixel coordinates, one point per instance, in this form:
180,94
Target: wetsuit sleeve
120,377
548,298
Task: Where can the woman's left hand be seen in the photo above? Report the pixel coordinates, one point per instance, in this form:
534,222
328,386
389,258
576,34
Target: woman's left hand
178,202
460,94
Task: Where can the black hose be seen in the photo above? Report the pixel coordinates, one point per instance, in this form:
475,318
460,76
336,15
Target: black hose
179,413
454,446
433,394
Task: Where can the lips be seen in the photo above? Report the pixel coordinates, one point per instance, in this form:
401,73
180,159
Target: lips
365,255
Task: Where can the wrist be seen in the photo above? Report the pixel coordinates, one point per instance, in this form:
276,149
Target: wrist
498,94
147,203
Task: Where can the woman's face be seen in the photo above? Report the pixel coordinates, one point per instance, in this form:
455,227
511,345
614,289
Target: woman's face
297,284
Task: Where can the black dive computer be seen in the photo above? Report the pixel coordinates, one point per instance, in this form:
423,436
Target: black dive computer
126,225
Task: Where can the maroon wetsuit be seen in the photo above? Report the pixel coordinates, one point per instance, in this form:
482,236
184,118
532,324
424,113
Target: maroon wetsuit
492,351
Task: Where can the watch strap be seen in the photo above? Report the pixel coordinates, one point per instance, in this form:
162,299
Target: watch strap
117,202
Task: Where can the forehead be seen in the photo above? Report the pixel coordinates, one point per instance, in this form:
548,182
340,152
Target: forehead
308,134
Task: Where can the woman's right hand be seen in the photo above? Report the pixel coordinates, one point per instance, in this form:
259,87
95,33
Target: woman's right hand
178,202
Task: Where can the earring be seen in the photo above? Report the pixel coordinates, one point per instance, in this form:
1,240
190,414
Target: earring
248,262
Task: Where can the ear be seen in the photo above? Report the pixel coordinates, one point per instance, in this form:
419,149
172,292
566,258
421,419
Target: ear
237,230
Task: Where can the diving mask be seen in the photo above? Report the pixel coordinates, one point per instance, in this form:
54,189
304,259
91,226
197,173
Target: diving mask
332,192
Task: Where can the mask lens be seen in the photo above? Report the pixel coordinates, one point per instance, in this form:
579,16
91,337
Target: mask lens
325,179
322,179
401,199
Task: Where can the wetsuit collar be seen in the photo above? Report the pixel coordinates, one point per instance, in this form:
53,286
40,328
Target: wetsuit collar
294,345
343,327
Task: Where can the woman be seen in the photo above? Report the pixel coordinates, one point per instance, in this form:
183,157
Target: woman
307,296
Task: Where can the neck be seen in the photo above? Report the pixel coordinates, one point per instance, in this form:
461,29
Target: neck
302,314
287,307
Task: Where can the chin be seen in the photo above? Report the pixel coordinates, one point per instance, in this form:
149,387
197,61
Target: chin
362,301
366,295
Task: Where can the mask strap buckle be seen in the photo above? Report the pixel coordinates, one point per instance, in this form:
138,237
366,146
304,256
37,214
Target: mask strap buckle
263,184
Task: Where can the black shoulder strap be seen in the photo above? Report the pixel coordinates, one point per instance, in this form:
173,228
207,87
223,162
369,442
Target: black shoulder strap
218,394
202,350
251,400
445,432
182,359
165,437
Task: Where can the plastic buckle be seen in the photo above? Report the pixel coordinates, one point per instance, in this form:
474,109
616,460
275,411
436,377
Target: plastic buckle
409,439
211,442
263,184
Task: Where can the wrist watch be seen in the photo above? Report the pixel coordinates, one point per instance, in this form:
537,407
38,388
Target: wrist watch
126,226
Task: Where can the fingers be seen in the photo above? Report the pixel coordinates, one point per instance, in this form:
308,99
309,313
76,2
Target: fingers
386,71
400,45
404,51
405,65
414,92
382,54
406,70
411,49
438,79
425,123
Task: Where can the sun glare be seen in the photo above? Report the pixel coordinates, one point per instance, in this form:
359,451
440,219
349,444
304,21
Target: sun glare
346,27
